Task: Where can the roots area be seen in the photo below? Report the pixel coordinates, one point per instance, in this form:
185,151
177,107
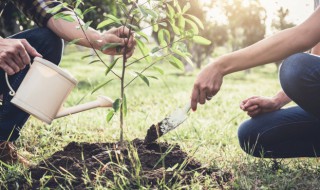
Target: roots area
88,165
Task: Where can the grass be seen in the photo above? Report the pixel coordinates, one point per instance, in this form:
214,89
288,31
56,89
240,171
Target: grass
210,132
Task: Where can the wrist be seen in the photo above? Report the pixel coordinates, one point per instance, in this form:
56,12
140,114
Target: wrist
95,38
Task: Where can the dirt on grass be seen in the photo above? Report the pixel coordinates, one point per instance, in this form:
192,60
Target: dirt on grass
85,165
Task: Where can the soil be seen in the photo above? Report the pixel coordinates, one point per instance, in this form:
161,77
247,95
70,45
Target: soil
153,133
82,165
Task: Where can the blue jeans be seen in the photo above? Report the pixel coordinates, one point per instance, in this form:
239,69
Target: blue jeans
294,131
12,118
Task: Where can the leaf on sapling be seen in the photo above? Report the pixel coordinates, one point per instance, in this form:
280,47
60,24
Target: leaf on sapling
124,105
181,22
161,38
101,85
197,20
170,12
78,3
155,49
114,18
109,116
153,77
55,9
176,63
109,46
152,13
144,50
186,8
116,105
89,9
201,40
159,70
110,67
142,10
144,78
175,28
179,11
193,25
94,61
64,16
86,56
155,27
87,25
78,12
105,23
142,34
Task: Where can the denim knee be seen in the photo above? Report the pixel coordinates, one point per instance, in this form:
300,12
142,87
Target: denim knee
50,45
293,72
248,138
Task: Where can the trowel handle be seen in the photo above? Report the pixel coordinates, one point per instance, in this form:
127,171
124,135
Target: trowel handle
12,92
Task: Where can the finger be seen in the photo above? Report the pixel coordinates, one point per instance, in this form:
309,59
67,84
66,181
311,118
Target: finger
24,57
124,31
251,102
246,100
254,113
194,97
252,108
202,97
130,53
7,69
33,52
12,65
18,60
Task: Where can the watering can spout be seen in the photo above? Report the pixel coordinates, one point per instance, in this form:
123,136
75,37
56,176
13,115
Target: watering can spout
101,101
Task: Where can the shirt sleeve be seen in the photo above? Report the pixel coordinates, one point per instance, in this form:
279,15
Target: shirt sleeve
38,10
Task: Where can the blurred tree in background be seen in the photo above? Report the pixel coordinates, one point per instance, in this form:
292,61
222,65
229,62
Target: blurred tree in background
281,23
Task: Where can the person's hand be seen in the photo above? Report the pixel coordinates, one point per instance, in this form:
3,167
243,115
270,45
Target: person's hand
122,37
207,85
257,105
14,54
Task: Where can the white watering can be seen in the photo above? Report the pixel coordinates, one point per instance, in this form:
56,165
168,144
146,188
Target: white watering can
44,90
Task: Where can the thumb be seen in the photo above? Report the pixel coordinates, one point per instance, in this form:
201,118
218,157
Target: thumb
33,52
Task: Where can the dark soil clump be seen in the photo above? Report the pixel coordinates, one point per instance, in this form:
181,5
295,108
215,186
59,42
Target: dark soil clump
83,165
153,133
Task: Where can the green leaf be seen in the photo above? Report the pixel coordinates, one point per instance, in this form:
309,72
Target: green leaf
181,22
87,25
110,67
197,20
145,79
95,61
89,10
110,115
78,3
142,10
55,9
201,40
153,77
186,8
155,27
100,86
193,25
116,105
124,105
159,70
74,41
171,11
110,45
176,63
78,13
152,13
64,16
144,50
114,18
154,50
86,56
142,34
175,28
105,23
161,37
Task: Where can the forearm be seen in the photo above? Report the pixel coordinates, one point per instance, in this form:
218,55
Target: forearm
281,99
277,47
71,30
316,49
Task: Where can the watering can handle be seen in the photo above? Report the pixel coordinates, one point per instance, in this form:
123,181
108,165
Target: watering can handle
12,92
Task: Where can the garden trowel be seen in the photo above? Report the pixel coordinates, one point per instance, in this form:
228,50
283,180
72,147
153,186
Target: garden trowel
167,124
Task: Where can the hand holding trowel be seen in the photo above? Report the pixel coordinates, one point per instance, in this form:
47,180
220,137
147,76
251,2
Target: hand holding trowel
169,123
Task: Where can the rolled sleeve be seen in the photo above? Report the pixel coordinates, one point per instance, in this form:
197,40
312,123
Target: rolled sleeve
38,10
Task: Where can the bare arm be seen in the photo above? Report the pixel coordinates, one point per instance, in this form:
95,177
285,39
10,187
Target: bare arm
71,30
277,47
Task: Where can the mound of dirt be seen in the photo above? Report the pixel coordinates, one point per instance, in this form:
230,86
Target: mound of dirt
82,165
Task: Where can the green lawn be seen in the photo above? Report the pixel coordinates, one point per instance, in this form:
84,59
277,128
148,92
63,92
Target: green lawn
212,130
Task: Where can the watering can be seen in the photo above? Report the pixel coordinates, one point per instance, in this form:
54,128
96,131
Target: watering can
44,90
